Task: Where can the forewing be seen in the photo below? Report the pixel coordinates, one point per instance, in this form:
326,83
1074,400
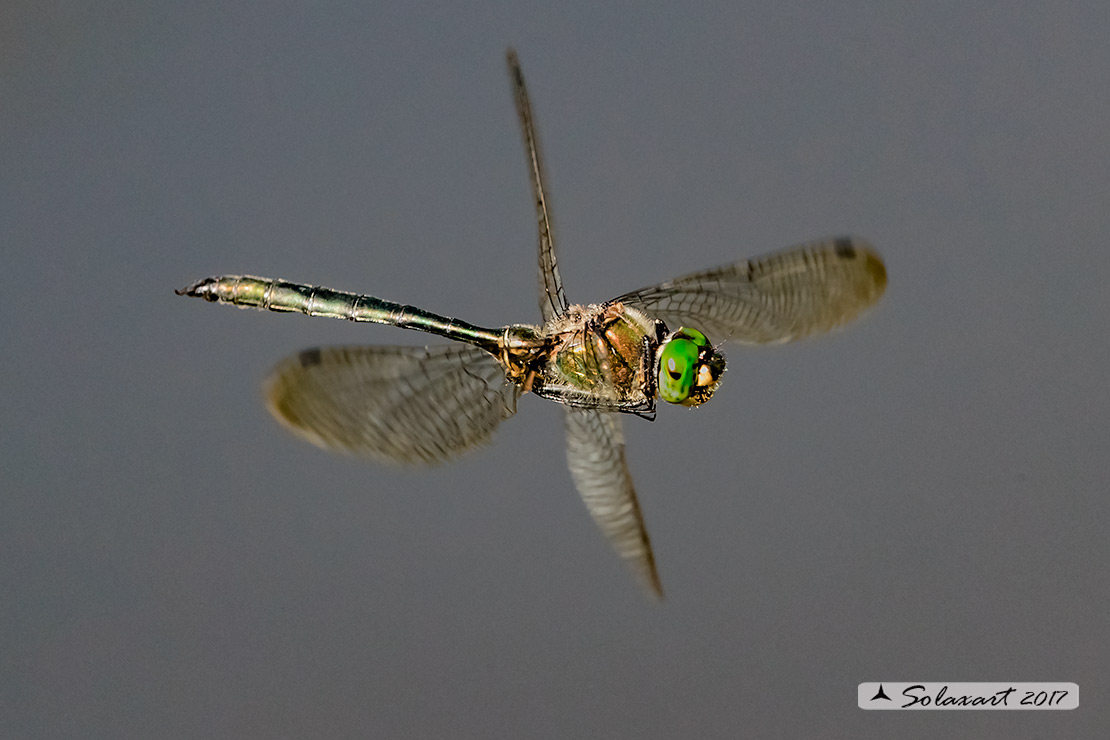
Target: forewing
396,404
552,300
778,297
595,454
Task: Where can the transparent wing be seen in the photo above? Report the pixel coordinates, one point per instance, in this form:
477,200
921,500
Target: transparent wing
778,297
396,404
552,300
595,454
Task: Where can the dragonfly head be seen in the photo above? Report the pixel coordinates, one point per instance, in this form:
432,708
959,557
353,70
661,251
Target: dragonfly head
690,368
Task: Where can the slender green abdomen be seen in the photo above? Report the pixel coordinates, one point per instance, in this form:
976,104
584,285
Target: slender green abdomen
247,291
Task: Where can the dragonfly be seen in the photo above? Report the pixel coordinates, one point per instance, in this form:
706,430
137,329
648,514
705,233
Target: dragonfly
427,405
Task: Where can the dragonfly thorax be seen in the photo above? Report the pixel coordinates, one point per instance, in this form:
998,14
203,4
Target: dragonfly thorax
689,368
615,357
600,356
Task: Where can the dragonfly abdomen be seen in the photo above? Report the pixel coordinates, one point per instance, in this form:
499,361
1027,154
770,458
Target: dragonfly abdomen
248,291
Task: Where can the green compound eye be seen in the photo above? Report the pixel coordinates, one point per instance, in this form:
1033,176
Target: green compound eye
689,368
694,336
676,369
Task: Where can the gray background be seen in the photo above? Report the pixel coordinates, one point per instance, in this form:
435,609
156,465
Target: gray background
921,497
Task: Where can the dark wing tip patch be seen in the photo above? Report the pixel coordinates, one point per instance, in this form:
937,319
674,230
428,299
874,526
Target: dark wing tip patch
309,357
872,265
845,248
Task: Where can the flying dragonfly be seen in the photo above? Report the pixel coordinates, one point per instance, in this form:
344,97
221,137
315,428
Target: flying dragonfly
430,404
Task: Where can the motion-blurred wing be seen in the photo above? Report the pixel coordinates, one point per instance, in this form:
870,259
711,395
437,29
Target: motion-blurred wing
595,453
553,302
778,297
397,404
